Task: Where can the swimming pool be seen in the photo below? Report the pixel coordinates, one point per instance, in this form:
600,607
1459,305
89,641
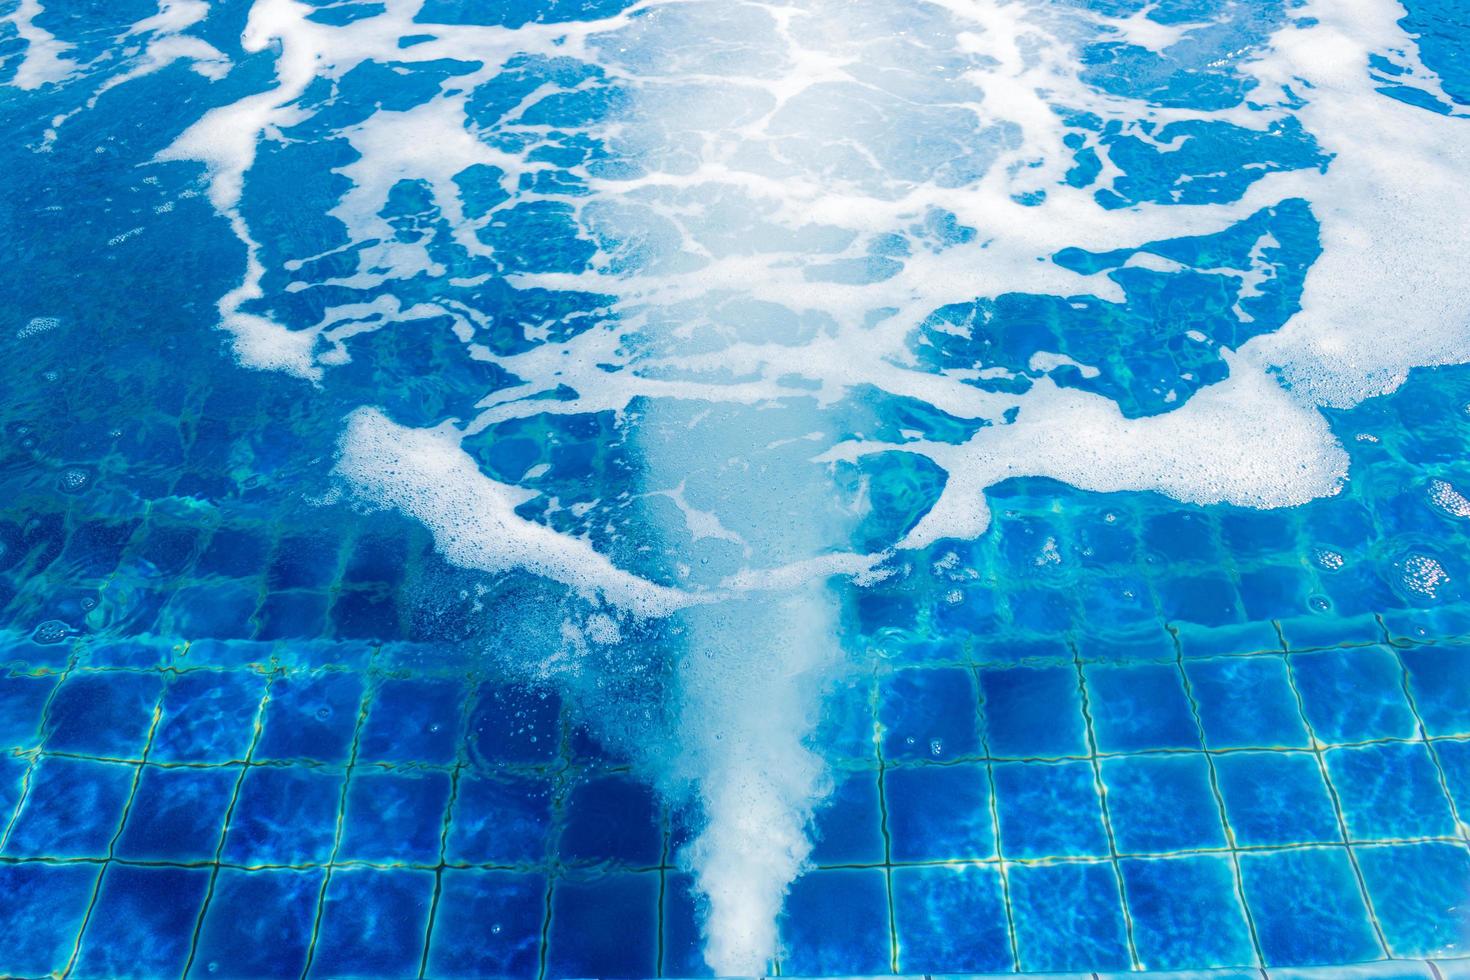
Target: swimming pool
707,487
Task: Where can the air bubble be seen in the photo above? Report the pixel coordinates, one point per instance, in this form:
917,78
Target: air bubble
75,479
51,631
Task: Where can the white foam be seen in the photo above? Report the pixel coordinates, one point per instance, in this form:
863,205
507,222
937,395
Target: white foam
44,61
426,474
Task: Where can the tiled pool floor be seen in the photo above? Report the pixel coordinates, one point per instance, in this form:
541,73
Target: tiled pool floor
221,808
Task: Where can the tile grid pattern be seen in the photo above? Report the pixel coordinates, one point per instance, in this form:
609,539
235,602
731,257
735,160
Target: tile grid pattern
669,945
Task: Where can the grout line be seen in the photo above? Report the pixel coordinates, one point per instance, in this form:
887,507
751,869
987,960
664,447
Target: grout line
76,950
369,690
219,848
1102,794
883,832
460,763
1336,802
1444,786
1250,918
1000,858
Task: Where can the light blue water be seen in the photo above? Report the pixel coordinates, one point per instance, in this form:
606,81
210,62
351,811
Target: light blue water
584,488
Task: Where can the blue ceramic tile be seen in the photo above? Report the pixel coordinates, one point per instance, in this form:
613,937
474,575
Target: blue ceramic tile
1186,914
513,725
487,924
1438,678
585,941
291,615
143,921
1353,695
1048,810
1454,762
303,562
284,815
499,821
1246,702
951,919
373,923
846,827
258,924
613,818
845,729
22,697
1161,803
72,809
1033,712
1208,600
683,944
177,814
929,714
1276,798
103,714
938,813
1307,907
394,816
412,721
1068,917
835,923
311,717
1390,791
1419,893
13,770
41,909
1139,707
208,716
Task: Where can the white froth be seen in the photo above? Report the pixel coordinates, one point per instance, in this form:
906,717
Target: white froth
426,474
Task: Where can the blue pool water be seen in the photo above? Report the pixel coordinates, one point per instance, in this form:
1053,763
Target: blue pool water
684,487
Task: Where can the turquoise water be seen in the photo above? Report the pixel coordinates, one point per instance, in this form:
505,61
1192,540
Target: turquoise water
711,487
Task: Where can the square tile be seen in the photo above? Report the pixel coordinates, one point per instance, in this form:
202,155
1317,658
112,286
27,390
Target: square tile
510,724
291,615
412,721
584,941
1208,600
143,922
1049,809
41,909
1246,702
1068,917
951,919
929,714
72,809
502,820
939,813
1161,803
1033,712
311,717
177,815
1353,695
208,716
13,769
487,924
258,923
1139,707
373,923
615,819
835,923
499,821
1276,798
1439,677
104,714
1307,907
22,697
846,826
394,816
1390,791
1186,914
1419,893
284,815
